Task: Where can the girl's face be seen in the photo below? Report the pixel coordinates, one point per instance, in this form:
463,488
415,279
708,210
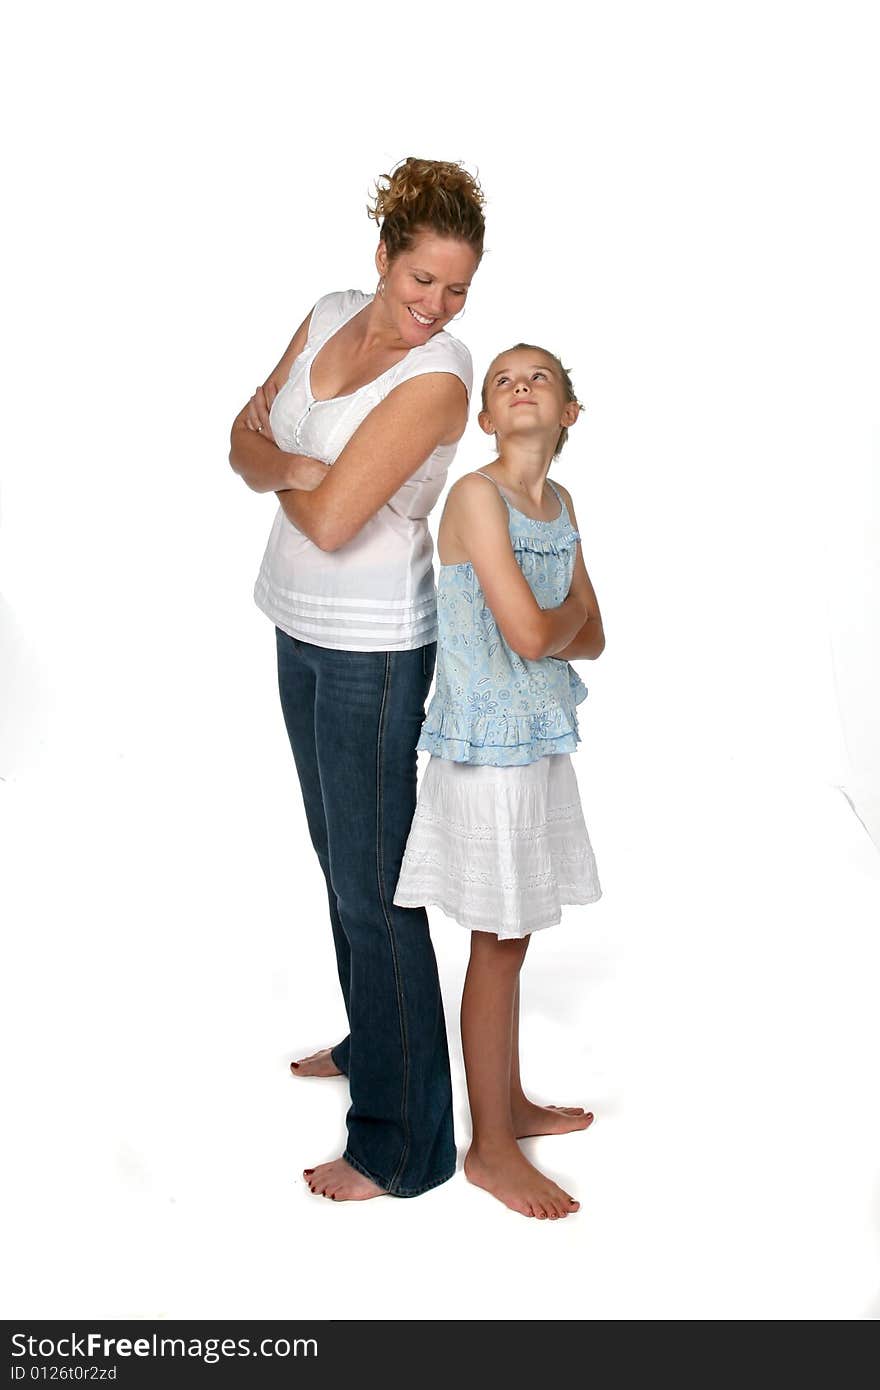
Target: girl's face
526,396
426,285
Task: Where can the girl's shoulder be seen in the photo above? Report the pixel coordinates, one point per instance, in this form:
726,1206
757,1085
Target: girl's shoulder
566,497
475,515
563,491
476,491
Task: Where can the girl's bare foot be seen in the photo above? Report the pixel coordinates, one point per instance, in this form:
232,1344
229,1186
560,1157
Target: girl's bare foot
530,1119
318,1064
341,1183
502,1170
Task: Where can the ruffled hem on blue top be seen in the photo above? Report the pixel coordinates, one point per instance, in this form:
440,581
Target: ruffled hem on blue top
503,740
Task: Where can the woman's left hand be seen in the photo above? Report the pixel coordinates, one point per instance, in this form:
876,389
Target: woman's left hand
258,407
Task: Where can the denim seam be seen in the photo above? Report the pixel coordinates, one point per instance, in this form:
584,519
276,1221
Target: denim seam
350,1159
380,868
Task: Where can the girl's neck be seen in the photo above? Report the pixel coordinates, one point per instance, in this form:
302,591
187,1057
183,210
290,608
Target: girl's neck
524,470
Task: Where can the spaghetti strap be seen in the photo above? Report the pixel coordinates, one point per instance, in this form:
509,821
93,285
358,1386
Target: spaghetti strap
563,509
480,474
562,516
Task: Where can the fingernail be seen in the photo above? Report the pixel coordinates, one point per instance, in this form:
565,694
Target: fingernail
295,1066
308,1172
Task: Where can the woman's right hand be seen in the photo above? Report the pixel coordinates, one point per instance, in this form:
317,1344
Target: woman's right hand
249,460
257,410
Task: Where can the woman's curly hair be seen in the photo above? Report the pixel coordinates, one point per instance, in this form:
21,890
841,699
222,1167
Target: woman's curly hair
428,195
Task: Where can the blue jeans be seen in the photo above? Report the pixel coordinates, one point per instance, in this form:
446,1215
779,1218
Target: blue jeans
353,719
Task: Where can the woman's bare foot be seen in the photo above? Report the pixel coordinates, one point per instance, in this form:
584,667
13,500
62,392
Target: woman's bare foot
530,1119
318,1064
341,1183
508,1175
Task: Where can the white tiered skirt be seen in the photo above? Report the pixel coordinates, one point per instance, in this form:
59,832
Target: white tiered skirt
499,849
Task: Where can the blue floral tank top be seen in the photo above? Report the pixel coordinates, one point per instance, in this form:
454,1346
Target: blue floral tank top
492,706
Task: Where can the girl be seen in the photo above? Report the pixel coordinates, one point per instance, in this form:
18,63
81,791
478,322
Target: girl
498,840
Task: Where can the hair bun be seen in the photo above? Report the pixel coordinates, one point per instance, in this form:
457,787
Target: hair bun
428,194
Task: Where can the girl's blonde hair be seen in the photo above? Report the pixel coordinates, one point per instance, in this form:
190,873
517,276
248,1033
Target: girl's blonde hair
570,393
428,195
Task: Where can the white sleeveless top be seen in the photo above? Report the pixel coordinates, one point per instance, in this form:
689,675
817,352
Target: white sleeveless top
377,592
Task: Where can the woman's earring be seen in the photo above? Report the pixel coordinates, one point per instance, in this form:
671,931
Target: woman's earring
381,284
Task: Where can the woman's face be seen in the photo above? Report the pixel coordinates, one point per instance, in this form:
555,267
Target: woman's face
426,285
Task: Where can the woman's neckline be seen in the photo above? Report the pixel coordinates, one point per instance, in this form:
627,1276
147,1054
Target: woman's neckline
346,396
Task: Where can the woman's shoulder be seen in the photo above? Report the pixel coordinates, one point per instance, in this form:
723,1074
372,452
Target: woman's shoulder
332,308
442,353
444,347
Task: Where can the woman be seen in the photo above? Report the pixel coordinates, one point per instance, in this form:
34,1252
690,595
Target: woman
374,386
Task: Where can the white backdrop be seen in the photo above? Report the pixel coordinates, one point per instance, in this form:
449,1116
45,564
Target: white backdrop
682,200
